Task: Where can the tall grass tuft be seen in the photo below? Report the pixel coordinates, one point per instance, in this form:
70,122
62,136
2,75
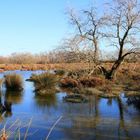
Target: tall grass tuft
44,83
14,82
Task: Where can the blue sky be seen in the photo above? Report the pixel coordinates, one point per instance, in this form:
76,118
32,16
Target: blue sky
34,25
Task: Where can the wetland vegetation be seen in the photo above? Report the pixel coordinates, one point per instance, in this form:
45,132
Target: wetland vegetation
79,120
77,91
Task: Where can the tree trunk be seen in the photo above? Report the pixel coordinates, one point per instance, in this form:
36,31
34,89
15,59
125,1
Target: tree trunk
110,74
96,53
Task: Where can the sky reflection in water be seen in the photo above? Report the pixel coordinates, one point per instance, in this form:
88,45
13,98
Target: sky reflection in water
98,119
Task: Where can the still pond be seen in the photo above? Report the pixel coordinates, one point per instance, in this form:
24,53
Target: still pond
98,119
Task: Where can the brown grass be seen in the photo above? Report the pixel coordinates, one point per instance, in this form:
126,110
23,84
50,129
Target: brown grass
107,87
66,66
91,81
44,83
13,82
127,75
69,83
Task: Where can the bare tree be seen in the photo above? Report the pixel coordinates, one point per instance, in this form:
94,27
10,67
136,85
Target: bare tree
71,47
88,26
21,58
3,60
124,30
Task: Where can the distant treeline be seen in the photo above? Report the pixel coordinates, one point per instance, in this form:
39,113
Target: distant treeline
57,57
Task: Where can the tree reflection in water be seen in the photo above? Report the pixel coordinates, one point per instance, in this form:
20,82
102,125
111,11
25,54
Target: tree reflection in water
122,126
97,127
5,107
135,101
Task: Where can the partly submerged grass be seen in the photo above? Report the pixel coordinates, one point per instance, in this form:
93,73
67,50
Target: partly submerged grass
13,82
44,83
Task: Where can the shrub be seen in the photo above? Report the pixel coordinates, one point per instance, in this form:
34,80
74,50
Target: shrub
69,83
91,81
13,82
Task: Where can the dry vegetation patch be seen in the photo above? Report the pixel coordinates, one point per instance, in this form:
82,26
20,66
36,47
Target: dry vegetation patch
44,83
14,82
69,82
91,81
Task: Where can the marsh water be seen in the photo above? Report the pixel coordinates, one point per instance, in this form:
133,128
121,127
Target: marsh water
98,119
